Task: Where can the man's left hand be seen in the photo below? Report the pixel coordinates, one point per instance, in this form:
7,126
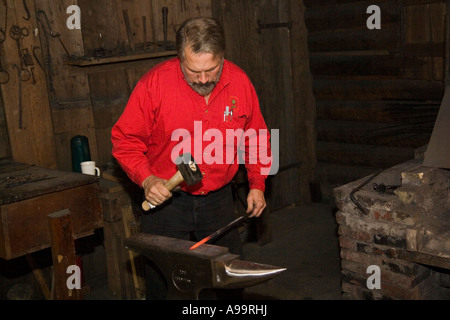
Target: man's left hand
256,203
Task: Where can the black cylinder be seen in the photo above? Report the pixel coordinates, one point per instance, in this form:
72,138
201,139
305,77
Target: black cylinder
80,152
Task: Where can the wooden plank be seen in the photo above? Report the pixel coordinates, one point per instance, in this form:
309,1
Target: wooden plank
377,89
365,155
370,133
26,105
359,65
387,38
63,254
38,274
304,103
432,26
136,262
5,148
385,111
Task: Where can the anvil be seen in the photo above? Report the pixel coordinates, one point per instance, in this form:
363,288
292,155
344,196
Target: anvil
187,272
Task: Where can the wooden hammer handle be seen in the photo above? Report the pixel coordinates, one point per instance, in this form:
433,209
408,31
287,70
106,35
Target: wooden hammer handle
176,179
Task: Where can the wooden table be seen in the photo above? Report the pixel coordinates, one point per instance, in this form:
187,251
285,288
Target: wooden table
42,208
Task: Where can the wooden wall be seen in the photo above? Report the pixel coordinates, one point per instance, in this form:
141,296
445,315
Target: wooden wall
268,39
377,91
70,94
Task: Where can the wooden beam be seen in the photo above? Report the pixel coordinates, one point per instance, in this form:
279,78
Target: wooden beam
63,253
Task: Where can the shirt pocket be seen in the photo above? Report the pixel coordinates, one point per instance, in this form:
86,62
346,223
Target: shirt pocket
233,129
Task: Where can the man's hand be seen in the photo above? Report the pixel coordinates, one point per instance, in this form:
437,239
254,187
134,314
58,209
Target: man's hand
154,190
255,203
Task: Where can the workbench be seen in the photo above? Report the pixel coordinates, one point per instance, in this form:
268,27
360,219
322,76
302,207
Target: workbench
45,208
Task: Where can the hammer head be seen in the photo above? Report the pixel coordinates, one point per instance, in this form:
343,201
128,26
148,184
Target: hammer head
189,169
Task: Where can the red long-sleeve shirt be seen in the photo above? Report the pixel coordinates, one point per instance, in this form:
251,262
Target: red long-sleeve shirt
165,118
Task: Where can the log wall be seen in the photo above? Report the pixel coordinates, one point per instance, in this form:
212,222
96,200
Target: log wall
377,91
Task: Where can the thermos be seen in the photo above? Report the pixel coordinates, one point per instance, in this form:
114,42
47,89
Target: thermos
80,152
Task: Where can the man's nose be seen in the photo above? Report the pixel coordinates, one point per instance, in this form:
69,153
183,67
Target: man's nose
203,78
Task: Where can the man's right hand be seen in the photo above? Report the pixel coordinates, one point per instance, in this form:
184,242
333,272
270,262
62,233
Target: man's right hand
155,191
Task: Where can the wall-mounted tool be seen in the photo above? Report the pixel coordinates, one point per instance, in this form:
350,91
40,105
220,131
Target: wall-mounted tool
261,25
152,19
25,6
126,18
4,76
144,27
3,32
17,33
27,59
165,12
19,75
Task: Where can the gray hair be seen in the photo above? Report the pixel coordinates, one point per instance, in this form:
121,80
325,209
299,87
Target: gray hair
203,35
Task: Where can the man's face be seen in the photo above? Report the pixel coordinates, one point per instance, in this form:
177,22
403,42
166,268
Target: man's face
202,71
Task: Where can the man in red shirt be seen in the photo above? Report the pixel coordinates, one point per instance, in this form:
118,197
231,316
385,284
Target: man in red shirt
203,104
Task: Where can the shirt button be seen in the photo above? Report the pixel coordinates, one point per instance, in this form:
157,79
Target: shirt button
203,192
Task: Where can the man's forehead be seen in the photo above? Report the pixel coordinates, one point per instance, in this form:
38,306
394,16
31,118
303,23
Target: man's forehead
201,61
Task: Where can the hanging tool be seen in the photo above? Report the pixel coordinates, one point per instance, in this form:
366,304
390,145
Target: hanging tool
17,33
3,32
221,231
19,74
49,30
165,11
25,6
4,76
27,59
144,26
126,18
183,6
152,18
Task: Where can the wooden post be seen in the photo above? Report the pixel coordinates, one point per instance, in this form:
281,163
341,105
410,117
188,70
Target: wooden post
63,254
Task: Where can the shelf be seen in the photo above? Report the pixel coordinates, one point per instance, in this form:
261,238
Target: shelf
93,61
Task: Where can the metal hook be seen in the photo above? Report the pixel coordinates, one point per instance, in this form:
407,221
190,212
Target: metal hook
25,6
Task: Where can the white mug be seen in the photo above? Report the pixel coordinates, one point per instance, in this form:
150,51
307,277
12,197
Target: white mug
88,167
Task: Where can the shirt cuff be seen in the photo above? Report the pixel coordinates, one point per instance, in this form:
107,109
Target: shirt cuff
257,183
140,175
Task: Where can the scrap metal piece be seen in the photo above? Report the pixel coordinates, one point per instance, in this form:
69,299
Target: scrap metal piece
188,272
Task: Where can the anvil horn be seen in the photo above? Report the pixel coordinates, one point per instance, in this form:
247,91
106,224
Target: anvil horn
187,272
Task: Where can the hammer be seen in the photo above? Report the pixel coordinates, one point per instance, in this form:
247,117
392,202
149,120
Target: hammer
188,171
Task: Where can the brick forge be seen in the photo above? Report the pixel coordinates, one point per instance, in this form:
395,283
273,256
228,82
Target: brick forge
398,220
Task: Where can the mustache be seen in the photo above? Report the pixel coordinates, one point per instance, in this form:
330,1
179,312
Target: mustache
205,85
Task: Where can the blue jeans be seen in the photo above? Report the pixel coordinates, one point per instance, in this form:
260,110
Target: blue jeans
190,217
